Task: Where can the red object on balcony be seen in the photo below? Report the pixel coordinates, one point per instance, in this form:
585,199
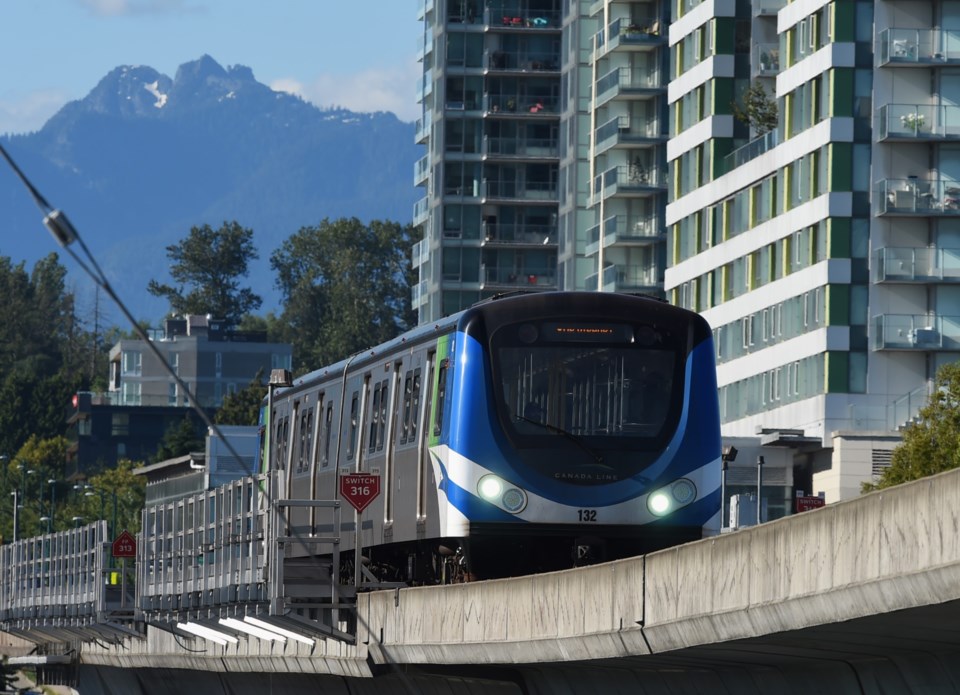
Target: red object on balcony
531,279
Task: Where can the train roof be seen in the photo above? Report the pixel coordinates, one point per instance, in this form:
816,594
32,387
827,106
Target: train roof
447,323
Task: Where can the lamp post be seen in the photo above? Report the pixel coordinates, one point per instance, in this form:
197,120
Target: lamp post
16,515
49,523
77,520
112,528
53,501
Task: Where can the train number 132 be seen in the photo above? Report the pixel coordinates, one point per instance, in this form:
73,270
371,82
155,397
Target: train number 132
587,514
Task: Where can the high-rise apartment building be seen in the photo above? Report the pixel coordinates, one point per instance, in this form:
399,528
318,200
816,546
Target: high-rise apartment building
545,127
783,168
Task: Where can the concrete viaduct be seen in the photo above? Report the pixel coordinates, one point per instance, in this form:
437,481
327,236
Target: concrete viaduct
860,596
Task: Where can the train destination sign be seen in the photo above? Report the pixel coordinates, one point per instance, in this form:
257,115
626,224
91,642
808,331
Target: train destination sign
359,489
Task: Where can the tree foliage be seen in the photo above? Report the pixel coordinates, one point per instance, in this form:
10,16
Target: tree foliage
210,262
931,444
759,109
44,354
243,407
180,439
346,286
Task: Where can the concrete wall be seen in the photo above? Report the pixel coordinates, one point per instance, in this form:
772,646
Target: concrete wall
883,552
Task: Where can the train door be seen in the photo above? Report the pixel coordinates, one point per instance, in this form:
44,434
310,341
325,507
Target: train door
390,421
420,430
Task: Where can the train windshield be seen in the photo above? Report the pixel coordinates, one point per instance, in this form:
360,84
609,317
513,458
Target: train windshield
597,382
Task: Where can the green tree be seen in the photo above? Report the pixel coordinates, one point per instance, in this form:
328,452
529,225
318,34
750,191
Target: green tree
931,444
180,439
211,262
115,485
346,286
758,110
38,461
44,356
243,407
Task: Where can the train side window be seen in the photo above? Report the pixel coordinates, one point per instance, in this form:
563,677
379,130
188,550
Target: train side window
441,396
306,442
414,407
354,422
375,417
407,399
327,429
384,398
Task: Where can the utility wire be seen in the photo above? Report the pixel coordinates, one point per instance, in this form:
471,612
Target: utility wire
65,235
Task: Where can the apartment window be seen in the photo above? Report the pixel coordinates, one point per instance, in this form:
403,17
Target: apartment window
218,364
132,363
175,362
119,425
172,393
130,393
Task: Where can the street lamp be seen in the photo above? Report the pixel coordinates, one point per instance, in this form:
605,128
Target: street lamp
113,525
77,520
16,515
49,523
53,500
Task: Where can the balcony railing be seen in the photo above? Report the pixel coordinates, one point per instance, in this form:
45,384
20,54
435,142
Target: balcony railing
629,178
767,7
622,229
916,332
519,190
521,61
422,131
521,19
621,80
421,169
421,211
766,59
916,264
496,276
627,130
625,278
918,197
519,234
513,103
521,147
643,32
751,150
421,253
918,122
919,46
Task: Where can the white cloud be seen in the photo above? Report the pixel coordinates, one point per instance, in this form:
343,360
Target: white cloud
384,89
118,8
26,113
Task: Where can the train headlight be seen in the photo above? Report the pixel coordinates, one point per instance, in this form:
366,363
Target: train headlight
677,494
501,494
659,502
490,487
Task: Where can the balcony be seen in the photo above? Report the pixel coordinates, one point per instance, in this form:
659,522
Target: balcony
422,132
753,149
916,265
767,8
633,180
916,332
524,191
520,148
424,86
500,19
421,211
510,278
424,46
624,131
418,295
918,47
515,235
625,279
513,105
423,8
421,253
766,59
913,197
520,61
627,83
621,230
629,34
918,122
421,170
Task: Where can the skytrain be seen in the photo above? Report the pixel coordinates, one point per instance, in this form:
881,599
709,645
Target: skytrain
528,433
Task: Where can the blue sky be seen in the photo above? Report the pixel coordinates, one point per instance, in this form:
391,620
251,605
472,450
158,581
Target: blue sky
359,54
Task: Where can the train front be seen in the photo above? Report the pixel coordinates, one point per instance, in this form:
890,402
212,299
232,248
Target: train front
580,427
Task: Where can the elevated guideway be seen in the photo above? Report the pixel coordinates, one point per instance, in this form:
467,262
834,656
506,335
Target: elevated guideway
861,596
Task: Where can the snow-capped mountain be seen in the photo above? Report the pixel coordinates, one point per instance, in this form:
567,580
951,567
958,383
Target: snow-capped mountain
143,158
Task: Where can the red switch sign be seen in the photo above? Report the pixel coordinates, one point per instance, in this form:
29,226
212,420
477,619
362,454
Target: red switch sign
359,489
